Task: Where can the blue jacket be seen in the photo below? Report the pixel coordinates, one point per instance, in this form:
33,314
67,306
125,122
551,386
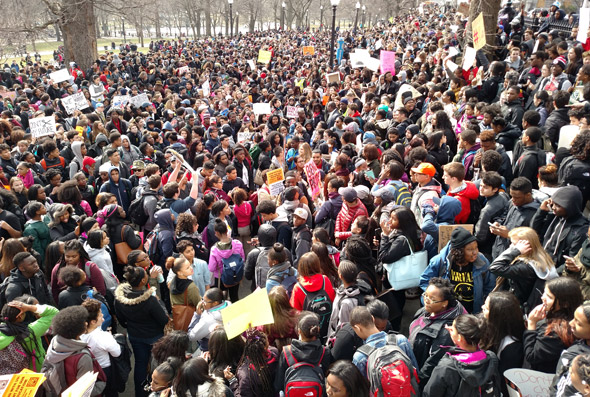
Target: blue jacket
379,340
448,209
483,280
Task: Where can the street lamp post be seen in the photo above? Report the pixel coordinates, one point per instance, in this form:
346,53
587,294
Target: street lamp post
364,15
356,18
237,23
321,17
231,18
334,4
283,15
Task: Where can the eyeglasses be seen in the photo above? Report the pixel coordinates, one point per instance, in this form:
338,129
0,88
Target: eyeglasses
429,299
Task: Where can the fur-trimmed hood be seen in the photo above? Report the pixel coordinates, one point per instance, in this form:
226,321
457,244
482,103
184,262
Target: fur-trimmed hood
212,389
127,296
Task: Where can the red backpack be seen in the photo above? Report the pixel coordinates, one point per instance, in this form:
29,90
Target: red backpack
303,379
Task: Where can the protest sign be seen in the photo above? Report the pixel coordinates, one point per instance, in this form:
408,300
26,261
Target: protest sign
74,102
42,126
445,231
244,136
252,311
23,384
479,32
276,188
275,176
583,25
528,382
251,64
468,58
206,87
313,178
361,60
8,95
139,100
387,62
536,47
119,101
452,66
183,70
264,56
308,50
567,133
261,108
292,112
82,387
60,75
453,51
333,77
404,88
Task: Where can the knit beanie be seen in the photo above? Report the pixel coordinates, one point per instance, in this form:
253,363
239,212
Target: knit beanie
461,237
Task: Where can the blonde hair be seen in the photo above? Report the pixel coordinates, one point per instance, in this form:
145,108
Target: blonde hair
305,151
538,257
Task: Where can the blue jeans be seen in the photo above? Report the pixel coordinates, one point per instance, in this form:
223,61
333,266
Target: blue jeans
142,350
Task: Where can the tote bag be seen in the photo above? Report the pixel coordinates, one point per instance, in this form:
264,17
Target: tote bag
405,273
182,314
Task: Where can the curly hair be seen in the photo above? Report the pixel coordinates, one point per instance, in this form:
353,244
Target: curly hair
70,322
581,145
186,223
175,344
255,359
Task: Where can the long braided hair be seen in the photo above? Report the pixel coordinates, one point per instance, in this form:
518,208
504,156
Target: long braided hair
20,330
255,357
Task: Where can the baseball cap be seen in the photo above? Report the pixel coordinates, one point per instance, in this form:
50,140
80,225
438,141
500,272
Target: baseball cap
301,213
348,194
425,168
138,165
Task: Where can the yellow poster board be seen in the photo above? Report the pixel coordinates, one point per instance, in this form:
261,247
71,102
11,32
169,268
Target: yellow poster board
252,311
308,50
479,32
264,56
275,176
23,384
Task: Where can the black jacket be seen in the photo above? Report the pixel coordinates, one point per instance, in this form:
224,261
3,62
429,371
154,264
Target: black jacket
528,164
557,119
240,171
308,352
541,352
508,136
452,377
393,248
345,343
489,89
562,385
140,312
516,216
514,112
35,286
495,209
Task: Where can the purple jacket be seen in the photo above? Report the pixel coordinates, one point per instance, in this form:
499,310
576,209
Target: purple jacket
217,255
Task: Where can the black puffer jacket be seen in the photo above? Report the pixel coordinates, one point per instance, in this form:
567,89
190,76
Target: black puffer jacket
140,312
562,385
557,119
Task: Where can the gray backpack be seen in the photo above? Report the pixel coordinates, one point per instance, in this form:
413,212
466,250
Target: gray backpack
262,267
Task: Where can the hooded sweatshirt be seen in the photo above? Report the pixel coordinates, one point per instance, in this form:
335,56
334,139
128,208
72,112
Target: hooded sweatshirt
78,161
166,237
203,324
221,251
448,209
121,190
128,156
311,284
465,193
101,257
347,298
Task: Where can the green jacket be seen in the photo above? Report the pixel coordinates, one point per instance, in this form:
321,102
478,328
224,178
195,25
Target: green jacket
40,231
254,154
38,328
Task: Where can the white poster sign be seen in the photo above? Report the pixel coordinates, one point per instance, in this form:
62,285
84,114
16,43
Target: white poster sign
583,25
206,87
60,75
119,101
468,58
261,108
74,102
42,126
139,100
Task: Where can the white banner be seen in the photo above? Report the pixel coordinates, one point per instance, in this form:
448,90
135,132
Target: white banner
139,100
42,126
74,102
261,108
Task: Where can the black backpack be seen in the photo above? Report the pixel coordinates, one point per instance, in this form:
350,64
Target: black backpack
163,204
121,366
573,171
319,303
475,207
137,212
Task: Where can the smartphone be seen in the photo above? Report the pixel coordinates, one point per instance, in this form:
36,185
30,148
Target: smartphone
491,224
568,257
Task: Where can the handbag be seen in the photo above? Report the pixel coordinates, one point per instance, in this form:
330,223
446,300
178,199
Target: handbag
122,249
405,273
258,178
183,314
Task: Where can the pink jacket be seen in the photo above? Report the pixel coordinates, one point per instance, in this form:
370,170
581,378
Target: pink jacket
216,257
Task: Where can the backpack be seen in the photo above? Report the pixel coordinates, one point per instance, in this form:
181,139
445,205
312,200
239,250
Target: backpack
287,280
233,270
262,267
151,245
121,366
163,204
329,222
475,210
14,358
110,280
57,374
390,371
137,212
575,172
303,379
319,303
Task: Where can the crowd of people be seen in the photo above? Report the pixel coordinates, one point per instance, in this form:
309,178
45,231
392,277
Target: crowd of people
147,220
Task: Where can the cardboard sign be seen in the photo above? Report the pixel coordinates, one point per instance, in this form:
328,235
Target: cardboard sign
42,126
139,100
275,176
479,32
292,112
252,311
183,70
313,178
333,77
24,384
387,62
74,102
528,382
60,75
468,58
276,188
445,231
119,101
264,56
261,108
404,88
244,136
308,50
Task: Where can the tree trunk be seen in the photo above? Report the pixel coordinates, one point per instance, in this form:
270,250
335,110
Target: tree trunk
57,32
490,9
158,27
141,29
79,31
198,22
208,17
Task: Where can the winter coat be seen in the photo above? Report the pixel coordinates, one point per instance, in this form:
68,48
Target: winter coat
460,373
118,228
508,136
311,284
249,384
140,312
301,243
330,208
495,209
427,334
421,195
557,119
515,217
128,156
40,233
36,286
346,216
583,276
63,231
394,247
528,164
464,194
514,112
347,298
202,325
448,209
94,281
217,255
562,384
483,281
193,296
37,329
217,388
526,280
101,257
541,351
167,235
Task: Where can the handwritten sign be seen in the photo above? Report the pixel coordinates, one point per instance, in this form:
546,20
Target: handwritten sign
183,70
42,126
292,112
251,64
139,100
252,311
261,108
74,102
468,58
387,62
528,382
313,178
8,95
333,77
445,231
308,50
276,188
275,176
479,32
60,75
244,136
264,56
119,101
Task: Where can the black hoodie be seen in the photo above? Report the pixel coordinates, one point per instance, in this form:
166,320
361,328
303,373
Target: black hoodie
562,384
308,352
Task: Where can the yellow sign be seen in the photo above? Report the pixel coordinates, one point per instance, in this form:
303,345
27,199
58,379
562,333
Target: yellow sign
274,176
308,50
24,384
252,311
264,56
80,130
478,30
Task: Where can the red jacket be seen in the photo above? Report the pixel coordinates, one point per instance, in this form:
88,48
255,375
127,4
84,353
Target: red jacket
346,216
311,284
465,196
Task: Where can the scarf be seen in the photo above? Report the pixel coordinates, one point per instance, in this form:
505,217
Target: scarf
28,179
15,329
